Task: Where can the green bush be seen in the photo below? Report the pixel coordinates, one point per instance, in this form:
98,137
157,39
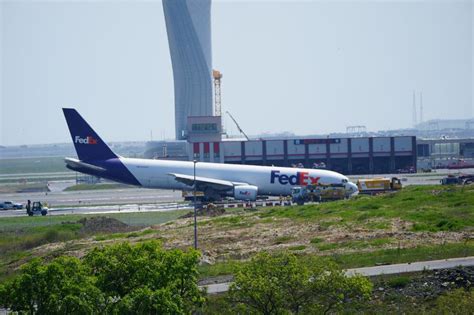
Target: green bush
62,287
281,284
117,279
398,282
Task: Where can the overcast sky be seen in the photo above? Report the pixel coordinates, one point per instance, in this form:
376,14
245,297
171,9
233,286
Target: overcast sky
307,67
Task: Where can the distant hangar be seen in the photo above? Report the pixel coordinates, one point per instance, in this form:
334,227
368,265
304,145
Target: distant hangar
361,155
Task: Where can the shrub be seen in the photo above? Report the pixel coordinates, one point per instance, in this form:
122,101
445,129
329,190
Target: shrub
117,279
282,284
399,282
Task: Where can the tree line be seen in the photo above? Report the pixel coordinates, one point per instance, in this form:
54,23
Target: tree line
147,279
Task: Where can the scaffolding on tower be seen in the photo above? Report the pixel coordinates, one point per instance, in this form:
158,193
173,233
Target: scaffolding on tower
217,92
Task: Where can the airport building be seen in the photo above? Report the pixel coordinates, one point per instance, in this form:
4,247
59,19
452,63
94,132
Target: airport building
436,153
365,155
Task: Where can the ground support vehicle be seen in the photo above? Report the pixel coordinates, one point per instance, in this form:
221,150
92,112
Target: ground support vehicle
372,186
188,195
457,180
467,179
37,209
317,193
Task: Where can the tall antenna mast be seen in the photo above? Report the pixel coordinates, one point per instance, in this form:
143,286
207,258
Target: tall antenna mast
414,109
421,107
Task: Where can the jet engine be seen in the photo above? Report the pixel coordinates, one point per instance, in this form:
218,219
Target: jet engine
246,192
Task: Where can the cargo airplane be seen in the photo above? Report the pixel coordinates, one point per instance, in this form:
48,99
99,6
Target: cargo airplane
243,182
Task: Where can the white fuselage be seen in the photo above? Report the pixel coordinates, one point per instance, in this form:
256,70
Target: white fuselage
270,180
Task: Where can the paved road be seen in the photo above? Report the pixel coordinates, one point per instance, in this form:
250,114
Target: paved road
380,270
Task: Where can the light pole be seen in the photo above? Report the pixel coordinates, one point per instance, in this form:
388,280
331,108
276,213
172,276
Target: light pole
195,212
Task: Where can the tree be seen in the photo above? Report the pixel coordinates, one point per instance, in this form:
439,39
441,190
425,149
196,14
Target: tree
283,284
117,279
62,287
146,301
126,273
333,290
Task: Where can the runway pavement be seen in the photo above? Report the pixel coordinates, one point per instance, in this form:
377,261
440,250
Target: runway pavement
124,208
97,197
99,201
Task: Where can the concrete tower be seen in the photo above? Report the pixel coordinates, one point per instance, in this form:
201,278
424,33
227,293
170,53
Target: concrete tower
188,23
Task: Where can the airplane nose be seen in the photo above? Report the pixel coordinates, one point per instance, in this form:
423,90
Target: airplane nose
351,189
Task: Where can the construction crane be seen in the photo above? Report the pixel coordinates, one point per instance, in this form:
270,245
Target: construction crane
238,127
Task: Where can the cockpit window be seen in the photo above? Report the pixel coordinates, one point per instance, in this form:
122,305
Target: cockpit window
344,181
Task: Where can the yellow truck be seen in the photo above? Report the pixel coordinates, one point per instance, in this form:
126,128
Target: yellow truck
188,195
378,185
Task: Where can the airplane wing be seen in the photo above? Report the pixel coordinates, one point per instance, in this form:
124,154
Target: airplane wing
217,184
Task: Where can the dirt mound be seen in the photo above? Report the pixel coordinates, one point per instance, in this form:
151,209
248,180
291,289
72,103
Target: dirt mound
210,211
103,224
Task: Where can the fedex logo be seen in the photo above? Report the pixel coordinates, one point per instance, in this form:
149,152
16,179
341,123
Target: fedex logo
244,193
300,178
86,140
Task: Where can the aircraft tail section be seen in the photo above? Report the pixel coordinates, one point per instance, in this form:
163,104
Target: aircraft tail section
89,146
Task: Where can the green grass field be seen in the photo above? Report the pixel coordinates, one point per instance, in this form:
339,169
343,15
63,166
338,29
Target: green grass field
32,165
430,208
134,219
364,259
19,235
425,208
19,187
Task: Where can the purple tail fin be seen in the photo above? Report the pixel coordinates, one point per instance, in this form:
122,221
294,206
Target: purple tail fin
89,146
